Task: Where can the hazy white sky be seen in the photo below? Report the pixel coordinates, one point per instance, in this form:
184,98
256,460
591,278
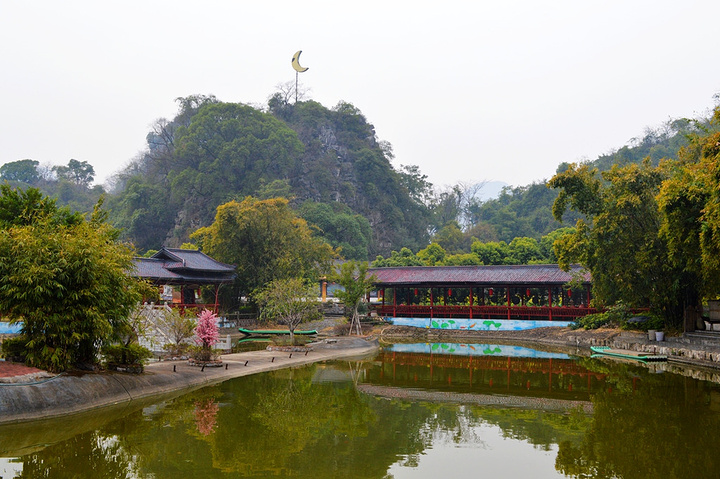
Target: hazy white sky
482,90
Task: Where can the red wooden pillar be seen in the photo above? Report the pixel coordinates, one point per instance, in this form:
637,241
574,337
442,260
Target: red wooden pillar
432,302
394,301
550,301
471,308
507,293
587,290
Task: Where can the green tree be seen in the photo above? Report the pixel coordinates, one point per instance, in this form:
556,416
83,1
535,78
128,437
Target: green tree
180,327
20,207
432,255
689,202
619,243
547,242
266,241
356,285
450,237
68,285
492,252
25,171
288,301
462,259
405,257
417,184
523,250
340,227
141,212
78,172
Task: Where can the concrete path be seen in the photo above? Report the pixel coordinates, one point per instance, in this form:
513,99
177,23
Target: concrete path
77,392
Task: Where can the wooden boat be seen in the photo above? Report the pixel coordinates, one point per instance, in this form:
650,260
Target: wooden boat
626,354
273,332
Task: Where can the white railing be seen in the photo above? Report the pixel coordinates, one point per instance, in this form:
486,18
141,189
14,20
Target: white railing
155,334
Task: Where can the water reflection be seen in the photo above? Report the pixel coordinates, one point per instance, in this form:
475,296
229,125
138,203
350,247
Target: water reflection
475,349
402,414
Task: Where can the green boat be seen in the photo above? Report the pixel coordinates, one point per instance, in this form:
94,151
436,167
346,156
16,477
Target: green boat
626,354
273,332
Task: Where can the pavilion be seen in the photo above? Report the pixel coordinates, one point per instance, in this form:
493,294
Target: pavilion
536,291
181,273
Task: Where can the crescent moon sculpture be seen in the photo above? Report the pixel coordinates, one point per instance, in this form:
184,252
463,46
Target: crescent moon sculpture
296,62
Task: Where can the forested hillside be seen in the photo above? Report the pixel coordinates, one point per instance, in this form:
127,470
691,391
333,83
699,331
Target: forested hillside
527,210
213,152
329,163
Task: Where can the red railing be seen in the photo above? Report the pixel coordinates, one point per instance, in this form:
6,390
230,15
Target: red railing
564,313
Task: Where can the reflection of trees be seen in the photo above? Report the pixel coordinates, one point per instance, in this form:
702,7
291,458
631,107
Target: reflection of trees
85,455
664,431
540,428
286,415
287,423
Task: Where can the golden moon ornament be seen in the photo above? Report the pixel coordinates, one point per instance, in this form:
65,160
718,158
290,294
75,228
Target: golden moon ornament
296,62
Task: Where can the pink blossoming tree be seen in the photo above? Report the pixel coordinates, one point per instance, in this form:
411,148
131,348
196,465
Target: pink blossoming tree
207,333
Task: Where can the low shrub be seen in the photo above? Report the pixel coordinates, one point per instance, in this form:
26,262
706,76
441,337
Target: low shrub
130,357
592,321
177,350
616,315
200,353
652,321
15,348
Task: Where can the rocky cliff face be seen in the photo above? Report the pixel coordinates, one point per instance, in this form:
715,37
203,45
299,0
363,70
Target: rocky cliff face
344,162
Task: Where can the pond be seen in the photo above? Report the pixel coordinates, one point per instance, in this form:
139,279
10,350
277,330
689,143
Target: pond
413,411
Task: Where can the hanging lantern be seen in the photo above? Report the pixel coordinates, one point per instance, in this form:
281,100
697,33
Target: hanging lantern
527,292
490,292
569,293
449,292
415,291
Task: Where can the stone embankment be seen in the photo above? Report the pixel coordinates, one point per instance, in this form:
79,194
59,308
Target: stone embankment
64,394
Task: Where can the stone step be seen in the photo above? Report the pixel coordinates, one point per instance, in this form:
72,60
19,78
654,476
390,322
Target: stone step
704,338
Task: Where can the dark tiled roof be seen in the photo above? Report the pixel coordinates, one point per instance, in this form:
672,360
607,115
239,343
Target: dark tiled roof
533,274
191,259
180,266
153,269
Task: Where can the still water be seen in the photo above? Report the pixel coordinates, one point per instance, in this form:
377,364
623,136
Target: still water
413,411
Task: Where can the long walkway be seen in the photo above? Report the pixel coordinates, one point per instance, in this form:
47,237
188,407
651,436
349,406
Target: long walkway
73,393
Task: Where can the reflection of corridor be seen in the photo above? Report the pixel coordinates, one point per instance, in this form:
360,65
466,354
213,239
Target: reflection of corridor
550,378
